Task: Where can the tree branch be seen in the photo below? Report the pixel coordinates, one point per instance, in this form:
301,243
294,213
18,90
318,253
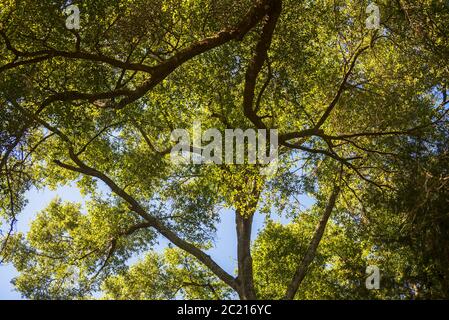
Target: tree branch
311,251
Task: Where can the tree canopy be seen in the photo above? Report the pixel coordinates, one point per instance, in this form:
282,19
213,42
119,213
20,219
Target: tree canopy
361,116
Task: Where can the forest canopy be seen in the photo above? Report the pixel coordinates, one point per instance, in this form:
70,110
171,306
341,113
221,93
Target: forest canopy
91,92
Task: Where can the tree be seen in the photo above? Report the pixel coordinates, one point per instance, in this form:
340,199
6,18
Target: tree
96,106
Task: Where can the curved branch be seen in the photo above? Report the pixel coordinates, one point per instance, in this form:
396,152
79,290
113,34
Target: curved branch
134,205
256,64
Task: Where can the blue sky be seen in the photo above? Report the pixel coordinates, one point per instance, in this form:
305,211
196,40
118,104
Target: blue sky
224,251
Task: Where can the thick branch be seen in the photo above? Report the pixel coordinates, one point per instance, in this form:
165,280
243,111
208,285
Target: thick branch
152,221
311,251
256,64
134,205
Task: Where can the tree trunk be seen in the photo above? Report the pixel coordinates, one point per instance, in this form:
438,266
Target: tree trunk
245,262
